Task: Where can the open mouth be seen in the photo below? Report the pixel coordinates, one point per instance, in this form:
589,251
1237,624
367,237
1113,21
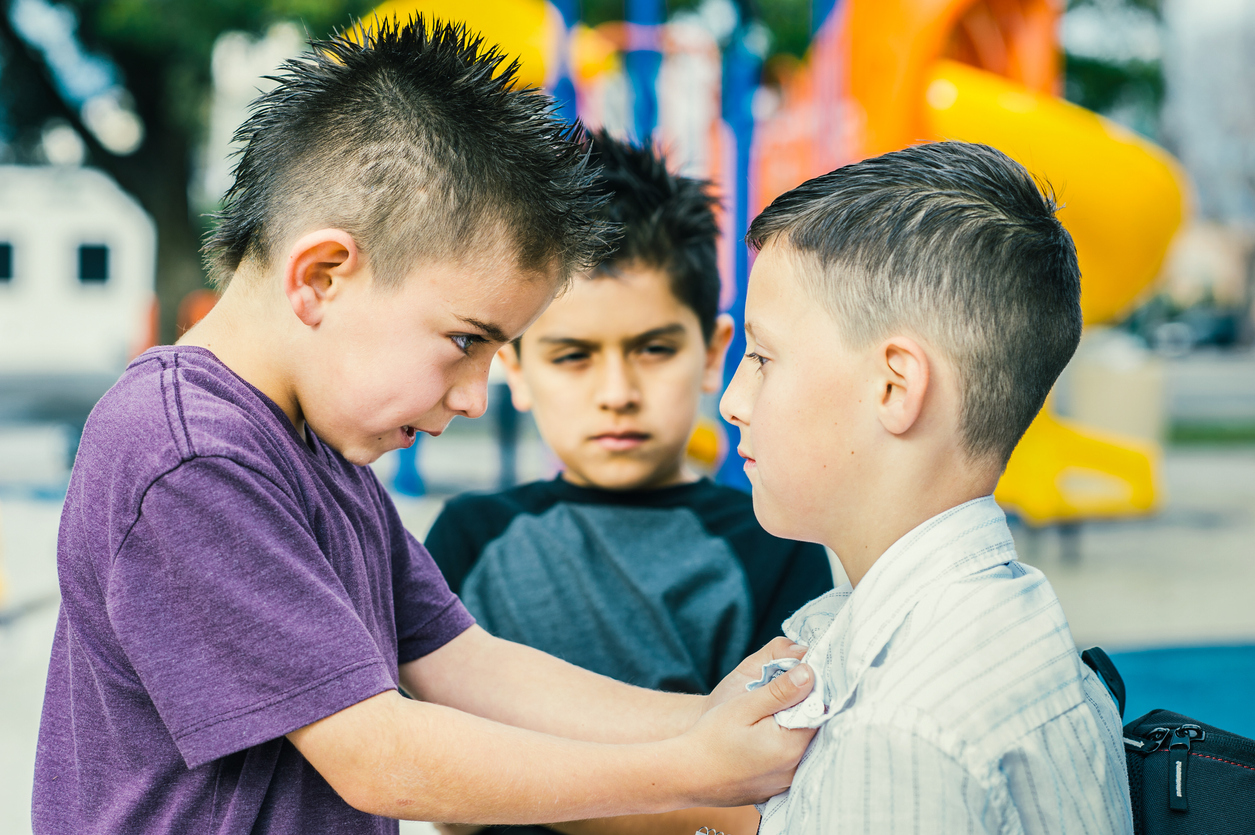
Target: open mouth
621,441
410,434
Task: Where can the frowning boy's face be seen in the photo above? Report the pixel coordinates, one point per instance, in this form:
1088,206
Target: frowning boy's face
393,362
613,372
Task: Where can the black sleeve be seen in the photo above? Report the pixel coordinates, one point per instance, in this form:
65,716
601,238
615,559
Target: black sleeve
804,575
452,542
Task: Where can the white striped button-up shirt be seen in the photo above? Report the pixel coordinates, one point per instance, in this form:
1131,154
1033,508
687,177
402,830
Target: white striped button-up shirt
951,699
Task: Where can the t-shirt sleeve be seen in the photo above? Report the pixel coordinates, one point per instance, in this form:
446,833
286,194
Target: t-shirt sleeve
428,614
232,617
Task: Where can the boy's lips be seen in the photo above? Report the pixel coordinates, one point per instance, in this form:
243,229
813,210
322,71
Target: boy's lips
409,434
749,460
620,441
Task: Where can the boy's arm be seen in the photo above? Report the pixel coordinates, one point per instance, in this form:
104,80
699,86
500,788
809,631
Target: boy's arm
474,670
392,756
736,820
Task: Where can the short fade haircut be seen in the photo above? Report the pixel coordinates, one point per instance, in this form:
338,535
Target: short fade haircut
417,142
955,243
665,221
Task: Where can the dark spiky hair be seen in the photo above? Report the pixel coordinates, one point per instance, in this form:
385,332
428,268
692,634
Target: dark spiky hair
665,221
418,142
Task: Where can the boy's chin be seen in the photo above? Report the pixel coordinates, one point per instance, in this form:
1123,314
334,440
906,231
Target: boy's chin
624,476
774,519
361,455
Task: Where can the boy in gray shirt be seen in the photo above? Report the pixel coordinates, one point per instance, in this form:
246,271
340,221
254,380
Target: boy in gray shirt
628,563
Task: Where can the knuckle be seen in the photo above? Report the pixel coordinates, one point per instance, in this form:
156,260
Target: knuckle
779,644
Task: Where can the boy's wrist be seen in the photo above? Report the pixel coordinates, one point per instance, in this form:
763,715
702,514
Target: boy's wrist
679,771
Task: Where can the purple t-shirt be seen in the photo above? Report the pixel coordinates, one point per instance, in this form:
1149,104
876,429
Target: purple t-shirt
223,582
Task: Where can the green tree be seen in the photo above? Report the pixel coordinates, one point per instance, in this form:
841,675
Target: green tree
162,50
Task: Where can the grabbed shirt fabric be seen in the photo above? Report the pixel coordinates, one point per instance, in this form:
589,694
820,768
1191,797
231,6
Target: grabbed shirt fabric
953,699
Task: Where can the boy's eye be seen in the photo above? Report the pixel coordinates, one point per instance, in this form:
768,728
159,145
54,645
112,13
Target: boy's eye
756,358
659,349
466,341
570,357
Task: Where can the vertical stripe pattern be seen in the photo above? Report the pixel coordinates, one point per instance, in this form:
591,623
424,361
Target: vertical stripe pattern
953,699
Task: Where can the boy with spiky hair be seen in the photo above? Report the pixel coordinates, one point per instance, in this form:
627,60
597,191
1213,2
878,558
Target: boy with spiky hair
628,563
241,606
906,318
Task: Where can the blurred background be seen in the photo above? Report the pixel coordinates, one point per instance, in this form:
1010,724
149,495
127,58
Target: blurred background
1135,489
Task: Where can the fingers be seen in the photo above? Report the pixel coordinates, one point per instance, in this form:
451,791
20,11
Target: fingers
784,691
782,647
792,687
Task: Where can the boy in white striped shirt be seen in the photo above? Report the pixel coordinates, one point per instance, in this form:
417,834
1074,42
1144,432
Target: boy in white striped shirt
906,317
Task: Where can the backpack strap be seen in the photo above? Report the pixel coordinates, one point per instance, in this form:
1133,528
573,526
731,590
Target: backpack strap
1098,661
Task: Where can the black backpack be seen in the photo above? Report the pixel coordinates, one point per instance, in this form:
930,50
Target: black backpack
1184,776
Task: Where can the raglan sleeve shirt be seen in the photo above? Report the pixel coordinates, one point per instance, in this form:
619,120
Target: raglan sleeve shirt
239,633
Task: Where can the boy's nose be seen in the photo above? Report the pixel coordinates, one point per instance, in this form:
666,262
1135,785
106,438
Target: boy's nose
618,390
732,404
469,397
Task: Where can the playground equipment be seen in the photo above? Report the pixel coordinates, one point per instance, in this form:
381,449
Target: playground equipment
988,71
881,75
530,30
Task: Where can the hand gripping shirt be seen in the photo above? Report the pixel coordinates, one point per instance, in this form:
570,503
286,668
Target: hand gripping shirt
224,581
951,699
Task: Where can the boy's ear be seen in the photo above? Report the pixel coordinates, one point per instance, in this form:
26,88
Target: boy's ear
317,264
904,373
716,354
520,394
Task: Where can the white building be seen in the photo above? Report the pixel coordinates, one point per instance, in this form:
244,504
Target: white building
77,294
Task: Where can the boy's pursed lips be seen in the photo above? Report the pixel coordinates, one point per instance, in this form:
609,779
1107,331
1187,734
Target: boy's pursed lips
620,440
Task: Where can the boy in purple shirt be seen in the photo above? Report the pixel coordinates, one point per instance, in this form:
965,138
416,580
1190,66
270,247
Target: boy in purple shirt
240,603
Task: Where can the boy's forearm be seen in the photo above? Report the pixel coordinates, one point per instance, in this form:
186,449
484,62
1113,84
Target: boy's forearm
399,758
736,820
520,686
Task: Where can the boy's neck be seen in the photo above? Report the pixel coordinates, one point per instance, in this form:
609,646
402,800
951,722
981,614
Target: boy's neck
237,332
899,503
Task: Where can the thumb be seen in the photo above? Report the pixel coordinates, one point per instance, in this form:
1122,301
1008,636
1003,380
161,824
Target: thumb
784,691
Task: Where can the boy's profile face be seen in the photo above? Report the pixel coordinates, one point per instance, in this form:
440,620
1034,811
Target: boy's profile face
613,372
393,362
802,401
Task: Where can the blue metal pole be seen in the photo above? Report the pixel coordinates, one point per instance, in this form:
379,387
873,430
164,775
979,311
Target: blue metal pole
407,481
642,63
820,9
564,88
741,73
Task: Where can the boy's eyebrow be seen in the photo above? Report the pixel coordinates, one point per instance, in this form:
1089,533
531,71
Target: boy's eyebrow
674,329
568,341
762,337
490,330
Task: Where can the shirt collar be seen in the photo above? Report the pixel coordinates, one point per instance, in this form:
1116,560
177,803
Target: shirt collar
848,628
